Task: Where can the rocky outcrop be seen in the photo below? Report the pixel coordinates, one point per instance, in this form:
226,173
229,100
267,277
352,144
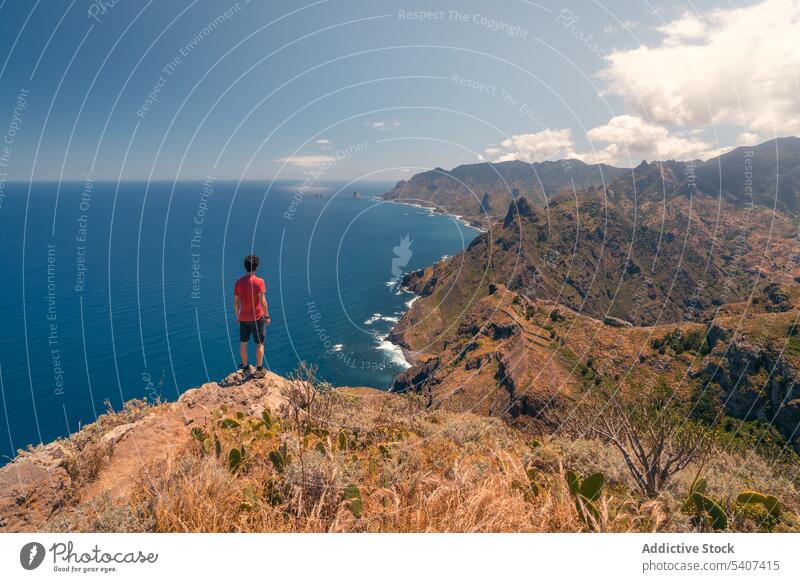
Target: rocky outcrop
616,322
756,384
417,378
36,486
520,207
497,362
33,489
486,203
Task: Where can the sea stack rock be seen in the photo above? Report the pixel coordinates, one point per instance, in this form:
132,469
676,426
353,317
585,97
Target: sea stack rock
486,203
520,207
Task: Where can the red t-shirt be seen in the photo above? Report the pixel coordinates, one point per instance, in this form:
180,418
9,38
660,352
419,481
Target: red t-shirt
248,289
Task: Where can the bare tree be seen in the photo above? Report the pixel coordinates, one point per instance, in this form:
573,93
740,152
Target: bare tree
655,439
305,396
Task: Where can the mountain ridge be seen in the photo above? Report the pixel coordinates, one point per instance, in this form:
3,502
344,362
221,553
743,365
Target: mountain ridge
769,173
479,191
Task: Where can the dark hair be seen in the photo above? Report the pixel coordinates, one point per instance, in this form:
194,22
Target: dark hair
251,263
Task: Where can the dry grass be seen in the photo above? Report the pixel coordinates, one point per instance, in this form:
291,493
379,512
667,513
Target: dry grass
403,469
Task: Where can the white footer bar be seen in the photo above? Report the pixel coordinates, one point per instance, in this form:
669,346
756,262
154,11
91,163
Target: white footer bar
402,557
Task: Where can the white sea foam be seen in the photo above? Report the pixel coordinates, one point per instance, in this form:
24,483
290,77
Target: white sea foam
394,352
411,301
379,317
337,348
370,320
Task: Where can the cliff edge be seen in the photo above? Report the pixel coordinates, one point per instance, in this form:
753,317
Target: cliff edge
106,457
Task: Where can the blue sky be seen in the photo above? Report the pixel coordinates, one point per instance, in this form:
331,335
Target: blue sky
379,90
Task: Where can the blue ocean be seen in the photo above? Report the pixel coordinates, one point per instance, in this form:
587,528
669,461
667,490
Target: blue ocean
113,291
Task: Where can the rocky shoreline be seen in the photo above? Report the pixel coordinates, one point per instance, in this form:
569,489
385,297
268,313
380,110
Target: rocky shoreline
471,222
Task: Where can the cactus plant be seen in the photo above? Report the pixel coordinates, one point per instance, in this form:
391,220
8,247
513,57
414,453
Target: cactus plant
235,459
342,440
354,501
319,431
590,488
280,458
199,434
251,499
272,492
586,492
229,423
708,512
277,461
533,484
698,485
266,416
769,502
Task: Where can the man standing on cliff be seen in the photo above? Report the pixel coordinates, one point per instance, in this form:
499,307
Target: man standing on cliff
250,305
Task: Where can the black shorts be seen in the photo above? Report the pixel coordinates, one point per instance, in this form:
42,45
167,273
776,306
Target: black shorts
257,329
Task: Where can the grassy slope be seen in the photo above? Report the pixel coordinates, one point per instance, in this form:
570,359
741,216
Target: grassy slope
399,467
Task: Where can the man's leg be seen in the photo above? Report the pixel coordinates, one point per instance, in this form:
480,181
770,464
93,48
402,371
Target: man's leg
258,337
243,352
244,339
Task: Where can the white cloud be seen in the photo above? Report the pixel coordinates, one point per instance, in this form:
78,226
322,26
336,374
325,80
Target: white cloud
324,141
735,66
624,141
311,161
688,27
385,124
747,139
631,139
550,144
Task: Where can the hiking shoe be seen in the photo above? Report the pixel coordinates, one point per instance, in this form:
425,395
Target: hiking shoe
260,373
246,371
